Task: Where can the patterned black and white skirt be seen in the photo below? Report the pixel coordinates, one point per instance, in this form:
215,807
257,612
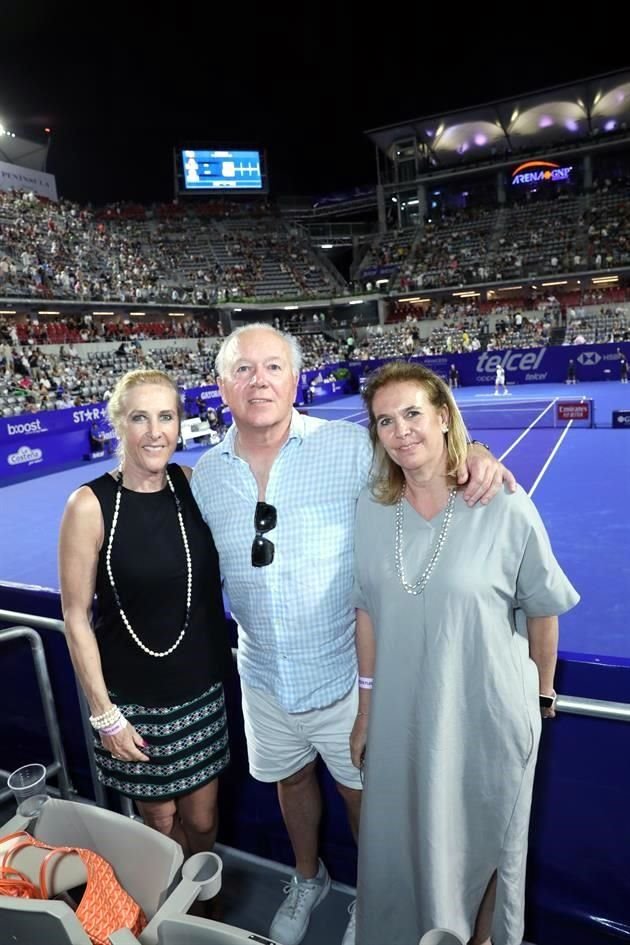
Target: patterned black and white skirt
188,747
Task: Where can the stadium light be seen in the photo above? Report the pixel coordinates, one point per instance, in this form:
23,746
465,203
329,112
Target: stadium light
8,312
326,246
561,282
137,313
48,313
177,314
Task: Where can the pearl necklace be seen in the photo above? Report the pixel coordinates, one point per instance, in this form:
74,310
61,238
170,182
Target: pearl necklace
108,564
422,581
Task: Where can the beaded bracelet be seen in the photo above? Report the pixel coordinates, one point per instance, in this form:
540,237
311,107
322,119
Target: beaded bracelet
98,719
107,718
366,682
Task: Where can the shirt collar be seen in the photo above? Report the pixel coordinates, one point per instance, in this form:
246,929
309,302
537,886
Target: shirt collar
296,432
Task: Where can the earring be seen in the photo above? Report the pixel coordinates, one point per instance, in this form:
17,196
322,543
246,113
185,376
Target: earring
444,429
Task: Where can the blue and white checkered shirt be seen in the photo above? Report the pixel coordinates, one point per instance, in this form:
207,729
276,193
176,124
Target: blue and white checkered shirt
295,616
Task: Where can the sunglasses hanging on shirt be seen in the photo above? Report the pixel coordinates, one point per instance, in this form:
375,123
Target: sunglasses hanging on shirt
265,519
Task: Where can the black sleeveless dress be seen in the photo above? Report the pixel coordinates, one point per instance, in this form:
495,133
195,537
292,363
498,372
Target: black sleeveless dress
175,701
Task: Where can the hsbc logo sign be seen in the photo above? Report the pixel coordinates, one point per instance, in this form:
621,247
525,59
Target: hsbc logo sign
589,357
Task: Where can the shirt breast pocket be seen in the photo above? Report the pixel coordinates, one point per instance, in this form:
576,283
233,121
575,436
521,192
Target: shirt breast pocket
326,531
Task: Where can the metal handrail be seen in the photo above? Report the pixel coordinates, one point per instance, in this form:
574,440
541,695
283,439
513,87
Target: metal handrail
573,705
58,766
594,708
29,621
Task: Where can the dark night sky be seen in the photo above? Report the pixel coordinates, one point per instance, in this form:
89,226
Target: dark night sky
120,89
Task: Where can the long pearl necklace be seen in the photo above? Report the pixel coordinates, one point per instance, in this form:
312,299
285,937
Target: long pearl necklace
108,564
422,581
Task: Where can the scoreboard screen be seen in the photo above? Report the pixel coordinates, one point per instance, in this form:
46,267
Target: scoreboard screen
203,171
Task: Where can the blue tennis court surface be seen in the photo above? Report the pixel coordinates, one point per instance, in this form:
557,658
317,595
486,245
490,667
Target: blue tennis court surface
579,478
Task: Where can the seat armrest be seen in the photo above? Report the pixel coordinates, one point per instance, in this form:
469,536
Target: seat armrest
16,823
123,937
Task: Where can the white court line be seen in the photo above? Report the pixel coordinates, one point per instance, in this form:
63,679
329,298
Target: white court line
549,458
529,428
362,413
356,413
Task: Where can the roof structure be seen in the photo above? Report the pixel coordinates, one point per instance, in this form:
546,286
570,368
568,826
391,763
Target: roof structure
594,108
23,152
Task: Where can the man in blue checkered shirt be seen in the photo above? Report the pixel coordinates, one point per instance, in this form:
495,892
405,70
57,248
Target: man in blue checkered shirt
279,496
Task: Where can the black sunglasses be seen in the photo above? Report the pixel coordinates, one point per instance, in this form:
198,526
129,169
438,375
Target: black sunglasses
265,519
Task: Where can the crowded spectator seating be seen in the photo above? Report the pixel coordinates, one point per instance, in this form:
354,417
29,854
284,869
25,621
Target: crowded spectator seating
33,379
386,256
62,251
574,232
174,254
449,328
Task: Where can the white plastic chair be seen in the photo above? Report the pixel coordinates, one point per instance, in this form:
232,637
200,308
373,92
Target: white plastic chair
147,864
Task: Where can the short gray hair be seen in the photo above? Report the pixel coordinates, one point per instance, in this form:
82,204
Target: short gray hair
228,352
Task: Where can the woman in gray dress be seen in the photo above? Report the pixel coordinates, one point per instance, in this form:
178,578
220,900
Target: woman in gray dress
457,635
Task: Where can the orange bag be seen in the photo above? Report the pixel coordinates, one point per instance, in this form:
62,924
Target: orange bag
105,906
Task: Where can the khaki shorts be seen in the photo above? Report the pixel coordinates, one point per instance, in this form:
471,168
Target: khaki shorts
280,743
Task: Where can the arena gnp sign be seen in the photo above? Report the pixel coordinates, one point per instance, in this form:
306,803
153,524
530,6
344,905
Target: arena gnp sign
540,172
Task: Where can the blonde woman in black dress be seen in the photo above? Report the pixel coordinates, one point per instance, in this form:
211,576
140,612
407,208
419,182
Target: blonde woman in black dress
152,656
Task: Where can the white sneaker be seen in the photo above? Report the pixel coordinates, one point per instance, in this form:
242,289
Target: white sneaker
350,935
291,920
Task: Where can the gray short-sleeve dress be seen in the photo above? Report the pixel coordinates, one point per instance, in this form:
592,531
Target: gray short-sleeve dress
454,721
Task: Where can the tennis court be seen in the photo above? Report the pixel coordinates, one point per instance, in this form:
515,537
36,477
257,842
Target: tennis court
576,473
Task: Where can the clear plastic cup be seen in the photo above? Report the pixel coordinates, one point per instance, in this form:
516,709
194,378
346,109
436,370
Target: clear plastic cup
441,937
28,785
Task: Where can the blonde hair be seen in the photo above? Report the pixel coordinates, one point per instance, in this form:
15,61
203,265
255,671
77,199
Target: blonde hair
116,403
387,477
